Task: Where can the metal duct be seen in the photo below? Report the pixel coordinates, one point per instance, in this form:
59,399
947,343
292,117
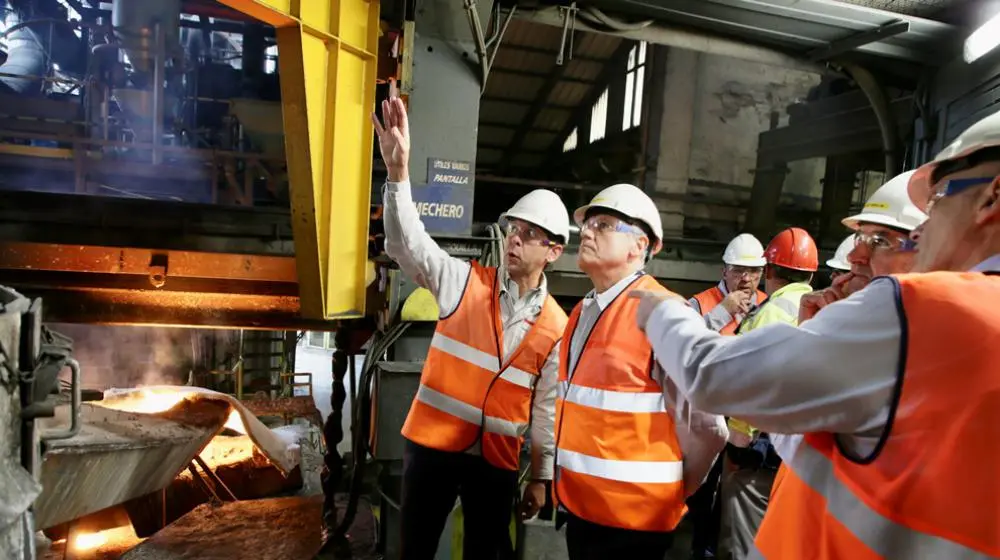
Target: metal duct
134,22
683,39
25,57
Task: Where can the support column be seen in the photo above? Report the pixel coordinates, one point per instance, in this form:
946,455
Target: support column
676,130
838,191
765,194
443,86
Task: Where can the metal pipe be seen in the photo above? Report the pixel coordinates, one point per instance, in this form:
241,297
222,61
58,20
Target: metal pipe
686,39
880,104
215,478
76,392
159,60
201,482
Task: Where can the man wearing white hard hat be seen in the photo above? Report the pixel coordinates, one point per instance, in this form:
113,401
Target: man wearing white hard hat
727,303
626,459
903,399
882,244
838,263
491,372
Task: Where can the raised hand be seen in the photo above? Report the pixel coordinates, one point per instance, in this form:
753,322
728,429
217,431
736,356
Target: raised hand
394,137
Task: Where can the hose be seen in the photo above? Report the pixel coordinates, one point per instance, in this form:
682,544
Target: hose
361,422
361,402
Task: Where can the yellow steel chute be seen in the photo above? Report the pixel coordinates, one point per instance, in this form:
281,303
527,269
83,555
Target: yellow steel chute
327,59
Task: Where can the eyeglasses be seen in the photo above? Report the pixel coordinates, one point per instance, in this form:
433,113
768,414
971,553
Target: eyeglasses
953,187
527,233
607,224
745,270
876,241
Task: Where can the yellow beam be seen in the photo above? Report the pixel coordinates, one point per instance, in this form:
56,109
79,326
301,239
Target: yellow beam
327,59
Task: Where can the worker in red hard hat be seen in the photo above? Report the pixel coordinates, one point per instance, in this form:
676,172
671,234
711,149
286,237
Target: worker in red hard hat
895,387
751,461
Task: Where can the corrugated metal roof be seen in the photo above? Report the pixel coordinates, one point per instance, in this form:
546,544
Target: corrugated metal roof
521,73
919,8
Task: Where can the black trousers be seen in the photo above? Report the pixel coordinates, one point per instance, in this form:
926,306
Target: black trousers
590,541
704,513
432,480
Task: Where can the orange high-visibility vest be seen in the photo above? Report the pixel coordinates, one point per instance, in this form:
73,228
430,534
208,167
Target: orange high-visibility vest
466,390
931,488
618,461
713,296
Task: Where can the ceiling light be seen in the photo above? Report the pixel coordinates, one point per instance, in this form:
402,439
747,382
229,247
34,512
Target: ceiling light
982,40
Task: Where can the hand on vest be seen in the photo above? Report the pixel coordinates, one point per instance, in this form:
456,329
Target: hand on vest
737,303
534,499
843,286
648,301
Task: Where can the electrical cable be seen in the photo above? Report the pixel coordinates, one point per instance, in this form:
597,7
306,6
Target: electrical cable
361,421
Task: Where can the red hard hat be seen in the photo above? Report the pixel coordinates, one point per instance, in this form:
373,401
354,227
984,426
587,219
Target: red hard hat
793,248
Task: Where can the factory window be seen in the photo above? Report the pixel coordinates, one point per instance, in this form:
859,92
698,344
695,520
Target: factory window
316,339
634,79
599,118
271,59
570,143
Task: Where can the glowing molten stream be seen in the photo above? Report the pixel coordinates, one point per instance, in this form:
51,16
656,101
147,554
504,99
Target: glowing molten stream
111,538
152,400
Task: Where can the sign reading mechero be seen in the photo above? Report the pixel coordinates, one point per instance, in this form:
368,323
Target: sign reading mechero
444,204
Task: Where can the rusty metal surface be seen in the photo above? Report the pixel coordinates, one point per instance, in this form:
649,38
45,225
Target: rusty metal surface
118,456
124,260
302,407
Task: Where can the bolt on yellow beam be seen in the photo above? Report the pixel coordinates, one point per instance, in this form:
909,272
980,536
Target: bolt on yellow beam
328,66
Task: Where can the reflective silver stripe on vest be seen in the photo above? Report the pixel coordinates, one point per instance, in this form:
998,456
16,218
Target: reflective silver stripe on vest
612,401
468,413
482,360
638,472
754,553
884,536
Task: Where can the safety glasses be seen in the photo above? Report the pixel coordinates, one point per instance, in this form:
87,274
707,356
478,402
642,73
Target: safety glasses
955,186
607,224
529,234
751,271
878,241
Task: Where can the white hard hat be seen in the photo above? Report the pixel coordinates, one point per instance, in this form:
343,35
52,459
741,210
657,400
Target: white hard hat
839,260
744,250
544,209
630,201
984,134
890,206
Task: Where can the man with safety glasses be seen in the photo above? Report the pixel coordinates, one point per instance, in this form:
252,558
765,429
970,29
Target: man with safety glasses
895,387
625,459
491,370
882,244
727,303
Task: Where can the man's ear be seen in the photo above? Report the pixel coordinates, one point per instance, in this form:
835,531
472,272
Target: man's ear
988,207
643,245
555,251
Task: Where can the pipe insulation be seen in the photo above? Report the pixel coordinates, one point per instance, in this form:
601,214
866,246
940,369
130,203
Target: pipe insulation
684,39
25,57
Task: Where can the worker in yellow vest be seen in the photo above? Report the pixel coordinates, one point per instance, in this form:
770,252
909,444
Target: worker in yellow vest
895,387
727,303
491,370
724,306
623,464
